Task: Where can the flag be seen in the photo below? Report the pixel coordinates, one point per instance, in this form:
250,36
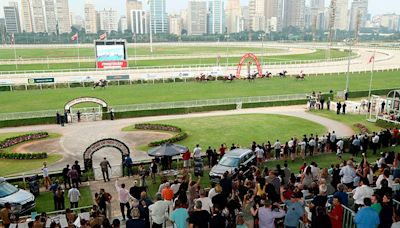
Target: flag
103,36
74,37
371,59
12,39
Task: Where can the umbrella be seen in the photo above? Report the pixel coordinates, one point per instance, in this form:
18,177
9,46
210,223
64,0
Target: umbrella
167,150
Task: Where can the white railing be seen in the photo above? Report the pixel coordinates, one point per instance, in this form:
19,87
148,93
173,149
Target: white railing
222,64
164,105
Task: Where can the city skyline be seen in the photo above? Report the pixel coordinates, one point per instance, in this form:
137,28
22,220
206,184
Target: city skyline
77,6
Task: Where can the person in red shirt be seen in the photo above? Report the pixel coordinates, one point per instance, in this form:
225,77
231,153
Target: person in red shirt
395,136
303,167
336,215
186,159
222,150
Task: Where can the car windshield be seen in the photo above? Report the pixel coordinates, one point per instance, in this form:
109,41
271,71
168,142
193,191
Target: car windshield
7,189
229,161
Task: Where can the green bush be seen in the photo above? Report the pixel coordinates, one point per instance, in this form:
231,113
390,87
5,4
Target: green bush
23,156
163,127
26,122
8,142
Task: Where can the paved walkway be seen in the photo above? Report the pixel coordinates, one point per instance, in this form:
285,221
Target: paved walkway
77,137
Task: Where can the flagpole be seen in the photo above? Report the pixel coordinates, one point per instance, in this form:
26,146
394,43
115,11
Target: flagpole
79,61
15,52
370,82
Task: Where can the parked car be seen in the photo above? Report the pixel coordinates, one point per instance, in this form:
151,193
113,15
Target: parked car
233,161
21,201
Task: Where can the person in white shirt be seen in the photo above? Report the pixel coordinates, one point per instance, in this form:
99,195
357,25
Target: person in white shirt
197,152
206,203
311,143
214,191
385,175
361,192
291,148
348,174
175,186
339,146
158,211
375,141
73,196
277,146
303,145
260,155
45,170
124,197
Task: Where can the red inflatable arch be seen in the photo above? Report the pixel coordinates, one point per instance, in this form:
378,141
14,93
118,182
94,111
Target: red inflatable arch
246,56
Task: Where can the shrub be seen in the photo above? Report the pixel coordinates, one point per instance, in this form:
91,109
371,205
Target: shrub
8,142
163,127
23,156
363,128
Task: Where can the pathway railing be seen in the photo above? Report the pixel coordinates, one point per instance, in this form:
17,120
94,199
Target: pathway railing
348,217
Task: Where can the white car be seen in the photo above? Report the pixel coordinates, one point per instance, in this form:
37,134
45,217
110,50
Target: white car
21,201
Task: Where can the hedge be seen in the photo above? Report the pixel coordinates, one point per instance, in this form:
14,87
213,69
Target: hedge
23,156
355,94
163,127
8,142
28,122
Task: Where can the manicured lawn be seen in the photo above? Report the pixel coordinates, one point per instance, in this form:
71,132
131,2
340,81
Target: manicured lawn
50,99
319,54
8,53
10,166
242,129
45,202
348,119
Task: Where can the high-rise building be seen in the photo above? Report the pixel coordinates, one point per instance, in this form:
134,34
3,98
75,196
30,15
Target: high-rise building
358,14
26,13
244,24
64,22
90,17
273,14
11,16
132,5
293,14
233,15
390,21
158,16
139,24
342,15
175,24
50,16
316,15
197,17
107,20
216,17
123,24
184,19
257,15
38,16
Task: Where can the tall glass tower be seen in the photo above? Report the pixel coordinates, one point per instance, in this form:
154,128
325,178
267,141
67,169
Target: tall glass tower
159,16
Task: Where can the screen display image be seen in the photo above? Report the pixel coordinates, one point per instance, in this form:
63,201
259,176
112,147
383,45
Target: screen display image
106,53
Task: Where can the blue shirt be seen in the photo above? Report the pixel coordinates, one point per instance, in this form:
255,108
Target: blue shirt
294,212
366,218
180,216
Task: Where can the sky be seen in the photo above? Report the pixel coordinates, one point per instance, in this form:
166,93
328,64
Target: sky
174,6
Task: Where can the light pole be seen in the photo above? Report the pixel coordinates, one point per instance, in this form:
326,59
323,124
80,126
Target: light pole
227,50
261,36
350,43
151,33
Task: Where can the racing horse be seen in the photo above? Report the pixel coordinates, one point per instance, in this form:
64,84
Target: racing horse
282,74
101,83
229,77
301,76
201,77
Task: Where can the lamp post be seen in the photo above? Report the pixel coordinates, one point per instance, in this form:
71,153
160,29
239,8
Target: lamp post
349,42
261,36
227,50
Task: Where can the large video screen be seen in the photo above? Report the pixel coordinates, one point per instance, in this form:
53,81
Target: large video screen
109,53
